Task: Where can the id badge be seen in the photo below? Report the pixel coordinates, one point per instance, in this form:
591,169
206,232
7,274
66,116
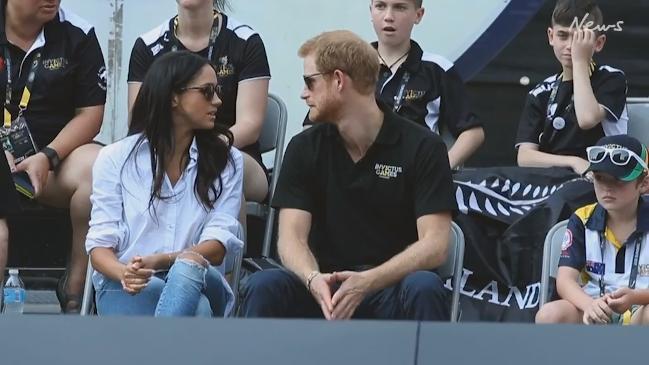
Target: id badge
18,140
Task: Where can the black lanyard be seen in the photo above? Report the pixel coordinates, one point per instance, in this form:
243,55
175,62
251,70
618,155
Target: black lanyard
24,100
553,98
213,34
398,99
556,122
555,90
634,263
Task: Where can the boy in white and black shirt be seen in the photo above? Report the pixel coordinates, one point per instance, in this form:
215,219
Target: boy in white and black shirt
420,86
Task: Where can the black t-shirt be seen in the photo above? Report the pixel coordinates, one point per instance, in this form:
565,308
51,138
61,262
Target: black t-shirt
71,74
564,137
433,96
238,55
364,213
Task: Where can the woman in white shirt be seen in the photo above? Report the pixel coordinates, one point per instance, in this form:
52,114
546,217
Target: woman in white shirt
165,200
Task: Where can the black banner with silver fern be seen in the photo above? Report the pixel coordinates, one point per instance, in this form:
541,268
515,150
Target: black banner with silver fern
505,213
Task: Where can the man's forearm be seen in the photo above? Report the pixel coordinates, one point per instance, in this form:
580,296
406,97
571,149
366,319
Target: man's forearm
79,131
297,257
425,254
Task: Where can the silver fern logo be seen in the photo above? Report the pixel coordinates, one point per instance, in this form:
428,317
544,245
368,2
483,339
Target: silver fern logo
501,198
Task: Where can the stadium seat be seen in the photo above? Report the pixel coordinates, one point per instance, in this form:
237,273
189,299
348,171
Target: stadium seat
551,254
271,139
638,109
452,268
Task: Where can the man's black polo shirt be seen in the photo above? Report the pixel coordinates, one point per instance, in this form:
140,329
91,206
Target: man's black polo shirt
364,213
433,96
71,74
609,86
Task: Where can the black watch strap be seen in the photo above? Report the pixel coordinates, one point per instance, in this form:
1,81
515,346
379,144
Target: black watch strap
52,156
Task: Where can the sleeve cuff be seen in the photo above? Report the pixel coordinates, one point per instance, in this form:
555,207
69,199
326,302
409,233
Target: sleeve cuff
94,242
610,116
564,262
104,235
230,236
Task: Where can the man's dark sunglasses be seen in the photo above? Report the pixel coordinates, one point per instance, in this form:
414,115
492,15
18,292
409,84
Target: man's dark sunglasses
208,90
310,79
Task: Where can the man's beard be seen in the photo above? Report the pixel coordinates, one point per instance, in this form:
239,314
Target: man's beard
328,110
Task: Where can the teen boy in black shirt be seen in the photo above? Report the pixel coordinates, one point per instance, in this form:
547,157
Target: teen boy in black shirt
421,86
568,112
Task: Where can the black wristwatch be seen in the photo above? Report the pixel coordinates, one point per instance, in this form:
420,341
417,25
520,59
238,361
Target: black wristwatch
52,156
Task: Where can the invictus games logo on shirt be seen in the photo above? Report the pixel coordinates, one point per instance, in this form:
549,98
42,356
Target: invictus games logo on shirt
387,171
412,95
224,69
54,64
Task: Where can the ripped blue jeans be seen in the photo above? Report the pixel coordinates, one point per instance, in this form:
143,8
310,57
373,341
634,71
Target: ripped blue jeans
187,289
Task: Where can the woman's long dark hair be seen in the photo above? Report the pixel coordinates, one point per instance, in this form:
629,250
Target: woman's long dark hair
151,116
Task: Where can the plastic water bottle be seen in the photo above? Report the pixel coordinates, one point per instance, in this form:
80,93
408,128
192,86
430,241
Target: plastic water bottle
14,294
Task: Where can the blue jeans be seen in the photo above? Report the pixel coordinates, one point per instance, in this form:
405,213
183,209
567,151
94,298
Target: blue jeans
187,289
279,293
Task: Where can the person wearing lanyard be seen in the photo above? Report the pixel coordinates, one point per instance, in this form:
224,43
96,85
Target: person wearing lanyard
420,86
166,200
603,274
239,55
53,72
570,111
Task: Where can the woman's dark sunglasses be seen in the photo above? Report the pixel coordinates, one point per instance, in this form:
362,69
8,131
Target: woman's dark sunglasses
208,90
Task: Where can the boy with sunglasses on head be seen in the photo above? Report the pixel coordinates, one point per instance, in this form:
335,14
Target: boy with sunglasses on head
572,110
603,272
